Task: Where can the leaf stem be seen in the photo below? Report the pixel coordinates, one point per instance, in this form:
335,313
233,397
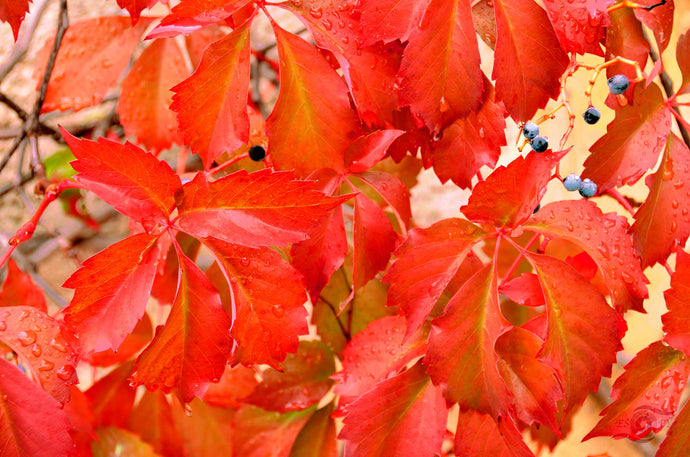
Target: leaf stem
518,259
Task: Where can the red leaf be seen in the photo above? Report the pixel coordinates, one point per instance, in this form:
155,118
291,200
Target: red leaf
388,20
191,349
393,191
211,105
461,355
93,54
135,342
143,104
135,7
404,415
440,73
426,262
368,150
302,381
528,60
583,331
12,12
374,354
605,238
312,114
534,386
632,142
44,348
659,20
317,438
112,289
263,208
374,240
266,324
625,38
683,59
190,15
479,436
112,398
508,196
20,290
677,438
660,223
112,442
133,181
31,422
152,420
260,433
471,142
207,431
198,41
646,395
676,328
524,289
236,383
580,25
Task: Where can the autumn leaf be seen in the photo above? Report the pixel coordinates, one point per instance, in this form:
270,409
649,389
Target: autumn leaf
318,437
143,103
112,398
134,342
93,54
18,289
302,381
207,431
659,20
260,433
13,12
677,439
191,349
676,328
263,208
211,105
402,415
580,25
605,238
440,73
392,190
135,7
646,396
113,441
31,422
682,53
191,15
660,223
478,435
312,114
236,383
152,420
528,59
265,326
583,331
625,38
389,20
112,289
632,142
425,264
133,181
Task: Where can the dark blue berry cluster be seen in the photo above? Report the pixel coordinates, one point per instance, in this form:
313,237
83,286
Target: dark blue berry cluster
586,187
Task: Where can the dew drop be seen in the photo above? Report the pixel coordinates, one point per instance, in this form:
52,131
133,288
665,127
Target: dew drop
26,337
3,326
674,204
674,226
569,226
23,315
46,365
444,105
36,350
316,13
245,262
65,372
187,410
58,346
278,311
328,25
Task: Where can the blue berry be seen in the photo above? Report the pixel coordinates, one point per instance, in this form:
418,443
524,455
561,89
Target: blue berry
572,182
618,84
530,130
588,188
539,143
592,115
257,153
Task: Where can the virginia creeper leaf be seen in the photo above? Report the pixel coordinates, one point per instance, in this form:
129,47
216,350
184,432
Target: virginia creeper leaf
145,97
133,181
471,142
605,238
376,353
211,105
677,438
260,433
528,59
583,331
461,354
207,431
112,289
112,398
31,422
317,438
198,41
191,349
580,25
625,38
534,386
403,415
312,114
12,12
263,208
113,442
676,321
392,190
646,396
374,240
190,15
389,20
660,223
524,289
659,20
632,142
440,73
266,323
236,383
368,150
508,196
133,343
683,59
20,290
426,262
478,435
301,383
152,420
93,54
135,7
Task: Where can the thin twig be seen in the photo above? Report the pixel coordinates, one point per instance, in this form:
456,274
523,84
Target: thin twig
24,116
25,36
